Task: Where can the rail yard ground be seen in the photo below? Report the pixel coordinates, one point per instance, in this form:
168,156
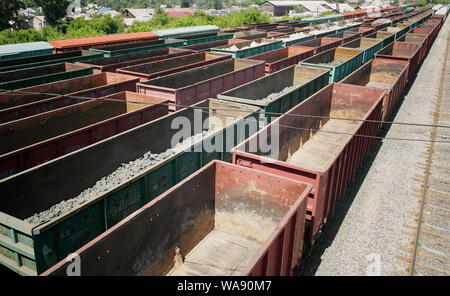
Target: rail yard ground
374,228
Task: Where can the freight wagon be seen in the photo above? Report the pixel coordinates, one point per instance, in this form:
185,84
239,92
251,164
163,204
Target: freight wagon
322,150
30,101
249,48
22,78
191,86
196,220
71,44
389,75
22,133
280,91
121,61
114,50
32,248
340,61
421,39
320,44
402,51
174,65
282,58
42,60
388,37
117,117
369,46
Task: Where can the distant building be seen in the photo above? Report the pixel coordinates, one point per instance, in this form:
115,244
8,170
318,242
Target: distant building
131,15
280,8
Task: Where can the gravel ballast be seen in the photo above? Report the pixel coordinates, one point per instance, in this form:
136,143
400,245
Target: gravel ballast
122,174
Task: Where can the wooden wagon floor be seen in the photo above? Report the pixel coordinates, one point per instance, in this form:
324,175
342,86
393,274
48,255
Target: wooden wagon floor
219,253
382,85
320,150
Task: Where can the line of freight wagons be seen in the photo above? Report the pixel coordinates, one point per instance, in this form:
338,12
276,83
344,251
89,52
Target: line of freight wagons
280,199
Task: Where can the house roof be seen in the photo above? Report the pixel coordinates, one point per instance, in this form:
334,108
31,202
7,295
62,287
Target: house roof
141,13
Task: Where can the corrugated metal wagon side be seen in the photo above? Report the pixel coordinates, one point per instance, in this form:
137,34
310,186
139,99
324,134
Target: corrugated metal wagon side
282,58
165,67
340,61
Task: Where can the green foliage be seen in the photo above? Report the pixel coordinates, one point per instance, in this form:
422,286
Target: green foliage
9,9
299,9
100,25
248,16
326,13
54,10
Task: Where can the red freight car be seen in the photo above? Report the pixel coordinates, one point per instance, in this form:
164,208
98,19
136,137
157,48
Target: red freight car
389,75
46,97
279,59
192,86
402,51
320,150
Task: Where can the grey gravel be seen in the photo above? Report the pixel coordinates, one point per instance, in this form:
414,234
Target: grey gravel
370,218
330,64
274,95
122,174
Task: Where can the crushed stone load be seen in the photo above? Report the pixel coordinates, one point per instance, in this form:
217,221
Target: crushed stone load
122,174
330,64
274,95
253,44
295,36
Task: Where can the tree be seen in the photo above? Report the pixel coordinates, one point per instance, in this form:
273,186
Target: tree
9,9
185,3
54,10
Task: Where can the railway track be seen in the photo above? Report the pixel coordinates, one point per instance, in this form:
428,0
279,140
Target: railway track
430,244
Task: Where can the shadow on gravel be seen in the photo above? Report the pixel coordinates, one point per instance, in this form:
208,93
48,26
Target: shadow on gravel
311,260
